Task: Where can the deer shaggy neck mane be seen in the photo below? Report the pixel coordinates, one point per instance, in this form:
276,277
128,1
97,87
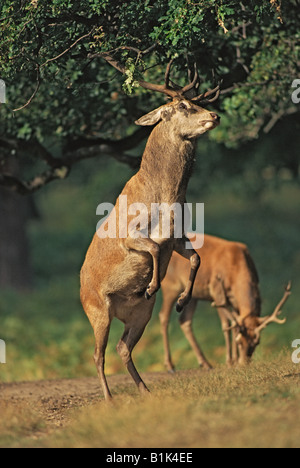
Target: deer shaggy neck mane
168,162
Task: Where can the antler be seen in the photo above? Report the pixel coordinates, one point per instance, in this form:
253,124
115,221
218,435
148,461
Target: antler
203,98
193,82
277,311
234,318
166,88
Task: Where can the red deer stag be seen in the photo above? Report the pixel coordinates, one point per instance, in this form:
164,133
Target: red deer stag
121,275
227,278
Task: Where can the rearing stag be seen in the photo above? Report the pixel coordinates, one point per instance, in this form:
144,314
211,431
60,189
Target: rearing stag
121,275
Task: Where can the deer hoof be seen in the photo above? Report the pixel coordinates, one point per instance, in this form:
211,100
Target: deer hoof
147,296
151,290
206,366
182,301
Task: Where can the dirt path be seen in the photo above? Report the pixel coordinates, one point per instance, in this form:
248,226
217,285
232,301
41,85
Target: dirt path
54,398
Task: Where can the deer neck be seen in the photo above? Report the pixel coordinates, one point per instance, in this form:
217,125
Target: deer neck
167,165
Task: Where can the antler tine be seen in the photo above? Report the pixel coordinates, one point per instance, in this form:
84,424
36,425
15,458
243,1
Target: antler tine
159,88
216,90
193,83
203,98
165,89
277,311
234,318
231,327
237,321
167,73
174,91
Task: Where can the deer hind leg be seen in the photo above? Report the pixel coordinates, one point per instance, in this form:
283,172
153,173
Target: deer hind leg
134,329
151,247
164,317
185,320
99,316
195,262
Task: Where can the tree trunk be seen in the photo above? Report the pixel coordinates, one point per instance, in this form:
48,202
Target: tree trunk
15,212
15,271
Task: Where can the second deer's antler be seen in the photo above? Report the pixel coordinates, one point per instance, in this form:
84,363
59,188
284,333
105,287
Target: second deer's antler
277,311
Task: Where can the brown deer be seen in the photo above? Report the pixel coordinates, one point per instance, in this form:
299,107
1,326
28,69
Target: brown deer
229,280
121,275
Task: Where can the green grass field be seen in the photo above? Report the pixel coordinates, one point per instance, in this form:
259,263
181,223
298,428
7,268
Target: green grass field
48,336
252,407
46,332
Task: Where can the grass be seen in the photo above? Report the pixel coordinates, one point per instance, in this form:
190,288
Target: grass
19,423
221,409
48,336
45,330
252,407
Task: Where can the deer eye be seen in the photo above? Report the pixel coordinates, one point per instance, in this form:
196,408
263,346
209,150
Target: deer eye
182,106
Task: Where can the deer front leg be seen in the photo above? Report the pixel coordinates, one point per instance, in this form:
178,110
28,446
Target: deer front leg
151,247
225,321
195,262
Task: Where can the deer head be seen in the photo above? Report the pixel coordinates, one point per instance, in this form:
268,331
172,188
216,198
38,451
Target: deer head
186,112
248,329
184,117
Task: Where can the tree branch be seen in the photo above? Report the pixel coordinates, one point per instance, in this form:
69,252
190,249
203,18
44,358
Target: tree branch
38,78
25,188
33,147
78,150
276,117
38,85
124,144
68,49
100,150
66,18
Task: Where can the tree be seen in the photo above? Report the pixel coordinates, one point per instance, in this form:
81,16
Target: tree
62,93
67,103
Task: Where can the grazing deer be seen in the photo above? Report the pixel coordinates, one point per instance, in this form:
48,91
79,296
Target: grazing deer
121,275
227,278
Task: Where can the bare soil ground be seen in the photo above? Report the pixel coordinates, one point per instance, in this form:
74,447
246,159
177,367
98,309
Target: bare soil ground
53,399
257,406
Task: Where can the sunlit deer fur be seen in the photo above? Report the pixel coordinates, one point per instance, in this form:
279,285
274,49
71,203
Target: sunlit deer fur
120,277
228,279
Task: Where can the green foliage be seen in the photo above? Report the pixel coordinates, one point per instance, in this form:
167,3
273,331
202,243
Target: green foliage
44,59
41,36
253,46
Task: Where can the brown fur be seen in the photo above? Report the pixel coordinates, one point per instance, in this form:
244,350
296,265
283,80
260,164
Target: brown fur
118,272
228,278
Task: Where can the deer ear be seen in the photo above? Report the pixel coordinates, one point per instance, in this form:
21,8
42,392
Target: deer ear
150,119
